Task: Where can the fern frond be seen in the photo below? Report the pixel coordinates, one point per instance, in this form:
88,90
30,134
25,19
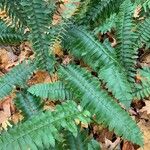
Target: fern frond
17,76
103,9
14,11
146,5
83,46
117,83
52,91
143,88
144,33
98,102
8,35
107,25
39,17
81,142
42,130
28,104
126,51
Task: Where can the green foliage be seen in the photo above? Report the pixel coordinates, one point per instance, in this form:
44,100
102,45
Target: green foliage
52,91
102,59
102,9
14,11
28,104
85,47
81,142
9,36
16,77
144,32
126,51
42,130
79,31
117,83
107,25
143,88
39,17
98,102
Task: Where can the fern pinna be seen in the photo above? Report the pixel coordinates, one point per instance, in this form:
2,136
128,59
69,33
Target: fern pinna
99,90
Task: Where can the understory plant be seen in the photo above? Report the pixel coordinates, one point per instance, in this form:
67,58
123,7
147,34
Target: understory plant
97,86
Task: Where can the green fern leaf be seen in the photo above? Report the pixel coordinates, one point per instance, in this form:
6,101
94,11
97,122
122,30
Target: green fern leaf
52,91
39,16
15,13
42,130
100,10
143,89
98,102
144,33
107,25
28,104
83,46
117,83
126,52
81,142
16,77
9,36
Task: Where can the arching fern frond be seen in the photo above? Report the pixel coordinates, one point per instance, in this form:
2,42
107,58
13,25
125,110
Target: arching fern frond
9,36
16,77
144,33
39,17
81,142
126,51
103,9
42,130
143,88
52,91
117,83
14,11
107,25
98,102
28,104
83,46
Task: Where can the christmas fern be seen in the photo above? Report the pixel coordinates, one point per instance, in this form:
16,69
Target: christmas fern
126,51
16,77
82,142
83,29
28,104
38,15
98,102
83,46
33,133
51,91
8,35
143,88
144,33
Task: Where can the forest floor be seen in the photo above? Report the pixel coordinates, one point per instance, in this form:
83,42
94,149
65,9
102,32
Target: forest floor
9,115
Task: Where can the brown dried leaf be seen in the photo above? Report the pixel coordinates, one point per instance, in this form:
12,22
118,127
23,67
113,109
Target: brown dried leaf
137,11
145,127
127,146
147,107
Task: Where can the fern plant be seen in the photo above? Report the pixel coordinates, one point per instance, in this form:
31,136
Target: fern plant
93,92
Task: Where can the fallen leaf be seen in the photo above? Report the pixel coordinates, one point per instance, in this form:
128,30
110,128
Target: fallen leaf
127,146
145,127
146,107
